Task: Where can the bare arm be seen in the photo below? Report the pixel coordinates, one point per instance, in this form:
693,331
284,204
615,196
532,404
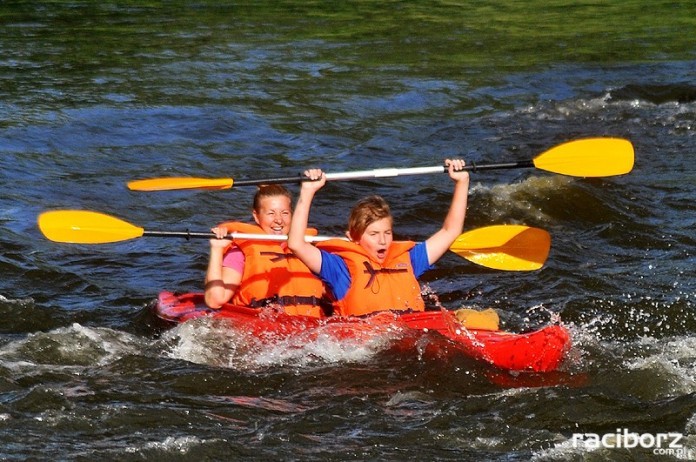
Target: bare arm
452,227
221,282
306,252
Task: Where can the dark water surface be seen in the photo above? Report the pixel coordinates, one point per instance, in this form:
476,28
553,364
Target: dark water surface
96,94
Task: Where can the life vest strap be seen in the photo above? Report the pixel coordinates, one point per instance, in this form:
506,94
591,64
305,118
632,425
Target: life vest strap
289,300
369,269
277,256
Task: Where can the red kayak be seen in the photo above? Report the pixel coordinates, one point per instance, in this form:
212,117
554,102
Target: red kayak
538,351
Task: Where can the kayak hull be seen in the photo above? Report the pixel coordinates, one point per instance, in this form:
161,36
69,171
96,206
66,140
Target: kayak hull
541,350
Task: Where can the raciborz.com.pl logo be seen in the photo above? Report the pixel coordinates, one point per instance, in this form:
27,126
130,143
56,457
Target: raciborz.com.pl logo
660,443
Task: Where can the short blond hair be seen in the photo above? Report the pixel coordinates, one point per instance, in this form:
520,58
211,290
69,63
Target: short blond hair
270,190
366,212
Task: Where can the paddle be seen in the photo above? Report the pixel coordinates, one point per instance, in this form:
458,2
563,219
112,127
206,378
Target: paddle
504,247
591,157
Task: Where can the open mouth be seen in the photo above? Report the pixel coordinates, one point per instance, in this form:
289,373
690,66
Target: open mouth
381,254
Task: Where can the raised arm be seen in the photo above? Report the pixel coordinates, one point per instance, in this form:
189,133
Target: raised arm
221,282
306,252
452,227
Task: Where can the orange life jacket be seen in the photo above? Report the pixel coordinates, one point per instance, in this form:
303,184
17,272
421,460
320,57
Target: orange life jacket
273,274
391,285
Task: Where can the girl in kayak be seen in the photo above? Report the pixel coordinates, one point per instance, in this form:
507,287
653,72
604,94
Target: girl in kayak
257,273
372,272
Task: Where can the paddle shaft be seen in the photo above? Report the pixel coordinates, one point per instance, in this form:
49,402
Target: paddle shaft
386,173
256,237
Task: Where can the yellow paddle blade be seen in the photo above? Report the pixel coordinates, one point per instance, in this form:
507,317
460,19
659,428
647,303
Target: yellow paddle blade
83,227
487,319
167,184
591,157
505,247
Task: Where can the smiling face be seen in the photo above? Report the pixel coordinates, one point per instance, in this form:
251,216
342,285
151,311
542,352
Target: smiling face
273,214
377,238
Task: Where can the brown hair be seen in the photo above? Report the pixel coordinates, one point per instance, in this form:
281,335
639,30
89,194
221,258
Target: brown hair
366,212
270,190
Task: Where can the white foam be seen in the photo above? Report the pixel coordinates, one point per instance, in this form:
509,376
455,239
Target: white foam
673,359
180,444
17,301
75,346
206,341
516,199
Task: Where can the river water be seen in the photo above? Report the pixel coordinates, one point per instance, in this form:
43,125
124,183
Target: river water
95,94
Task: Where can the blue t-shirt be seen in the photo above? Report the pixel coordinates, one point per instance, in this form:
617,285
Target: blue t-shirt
334,271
